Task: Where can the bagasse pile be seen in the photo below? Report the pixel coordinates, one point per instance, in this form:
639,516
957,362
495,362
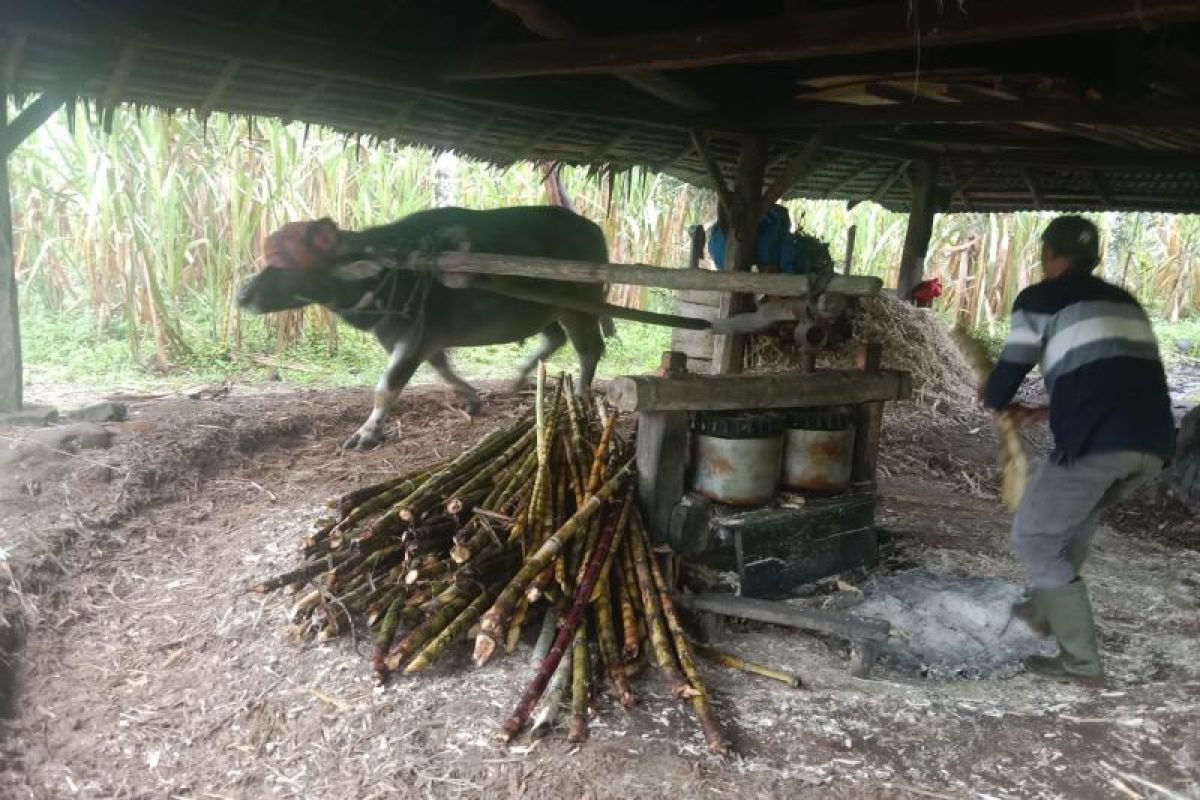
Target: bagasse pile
537,519
914,340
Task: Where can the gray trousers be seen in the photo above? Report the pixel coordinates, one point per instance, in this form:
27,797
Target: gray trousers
1061,506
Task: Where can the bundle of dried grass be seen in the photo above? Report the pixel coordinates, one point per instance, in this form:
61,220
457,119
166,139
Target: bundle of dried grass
914,340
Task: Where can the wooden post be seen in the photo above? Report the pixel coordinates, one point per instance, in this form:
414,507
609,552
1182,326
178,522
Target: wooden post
662,456
696,251
10,327
745,211
920,227
869,419
11,135
851,233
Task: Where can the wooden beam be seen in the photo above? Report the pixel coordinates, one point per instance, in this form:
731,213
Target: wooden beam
307,97
724,193
847,31
889,181
212,98
554,269
497,285
37,112
11,370
116,83
920,227
12,60
547,134
1034,193
601,151
549,23
1102,192
743,213
1061,112
776,390
795,170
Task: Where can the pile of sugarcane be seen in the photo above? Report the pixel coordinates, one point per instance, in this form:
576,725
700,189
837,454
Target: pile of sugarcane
536,520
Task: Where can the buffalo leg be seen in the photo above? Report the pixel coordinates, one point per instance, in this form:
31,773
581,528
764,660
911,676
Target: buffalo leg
400,369
584,332
553,337
463,389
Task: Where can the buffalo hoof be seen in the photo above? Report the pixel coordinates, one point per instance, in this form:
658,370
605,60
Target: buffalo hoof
473,406
363,440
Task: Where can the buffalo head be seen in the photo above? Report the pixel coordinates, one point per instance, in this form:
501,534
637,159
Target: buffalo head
300,266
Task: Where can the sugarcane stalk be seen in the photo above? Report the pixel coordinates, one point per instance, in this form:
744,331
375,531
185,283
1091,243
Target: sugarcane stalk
552,703
302,573
513,725
427,569
304,606
515,625
660,638
596,475
630,635
493,623
482,479
737,662
577,732
385,634
355,498
387,499
606,636
448,477
1014,467
545,635
701,704
419,636
602,584
456,628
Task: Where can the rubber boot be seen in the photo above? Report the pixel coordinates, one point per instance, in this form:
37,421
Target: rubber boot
1069,613
1030,612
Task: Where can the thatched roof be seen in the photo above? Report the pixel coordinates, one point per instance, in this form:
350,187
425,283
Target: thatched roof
1064,104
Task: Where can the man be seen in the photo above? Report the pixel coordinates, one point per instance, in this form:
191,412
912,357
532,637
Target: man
1113,430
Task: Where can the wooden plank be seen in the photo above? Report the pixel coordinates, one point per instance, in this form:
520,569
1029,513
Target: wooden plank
699,297
868,420
844,31
11,372
776,613
708,311
694,343
639,274
730,392
662,458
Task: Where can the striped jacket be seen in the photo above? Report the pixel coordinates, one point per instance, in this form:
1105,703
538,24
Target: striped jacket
1100,362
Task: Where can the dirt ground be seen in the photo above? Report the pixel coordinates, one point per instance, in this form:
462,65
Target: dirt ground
148,671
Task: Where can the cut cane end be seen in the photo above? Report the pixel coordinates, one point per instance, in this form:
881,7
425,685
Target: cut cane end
485,648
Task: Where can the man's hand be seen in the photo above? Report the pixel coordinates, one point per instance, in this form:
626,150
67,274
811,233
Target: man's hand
1025,415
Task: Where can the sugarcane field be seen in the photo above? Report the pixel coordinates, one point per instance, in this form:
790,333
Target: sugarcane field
534,399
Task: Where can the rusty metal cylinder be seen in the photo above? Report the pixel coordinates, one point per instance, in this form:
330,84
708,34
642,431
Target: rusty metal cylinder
819,450
736,456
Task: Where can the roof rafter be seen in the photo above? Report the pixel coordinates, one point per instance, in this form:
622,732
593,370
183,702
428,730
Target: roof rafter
849,31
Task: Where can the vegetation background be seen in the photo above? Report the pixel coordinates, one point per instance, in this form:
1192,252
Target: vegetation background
131,243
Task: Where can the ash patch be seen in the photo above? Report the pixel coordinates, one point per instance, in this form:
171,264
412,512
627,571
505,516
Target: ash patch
947,626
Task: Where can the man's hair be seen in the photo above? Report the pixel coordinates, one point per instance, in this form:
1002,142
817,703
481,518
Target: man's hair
1076,238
